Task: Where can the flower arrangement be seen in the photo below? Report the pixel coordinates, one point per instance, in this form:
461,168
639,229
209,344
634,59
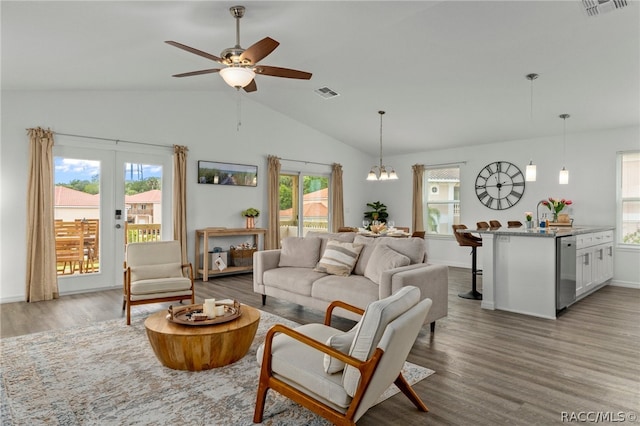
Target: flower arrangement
529,216
555,205
251,212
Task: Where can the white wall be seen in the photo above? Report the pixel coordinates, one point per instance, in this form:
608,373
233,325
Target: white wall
205,122
590,159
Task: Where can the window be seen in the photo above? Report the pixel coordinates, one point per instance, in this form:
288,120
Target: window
629,198
442,199
304,204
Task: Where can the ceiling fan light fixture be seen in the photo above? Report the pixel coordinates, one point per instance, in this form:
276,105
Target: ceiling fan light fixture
237,76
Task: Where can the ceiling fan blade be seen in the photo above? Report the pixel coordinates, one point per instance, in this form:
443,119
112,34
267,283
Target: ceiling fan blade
258,51
251,87
195,51
282,72
189,74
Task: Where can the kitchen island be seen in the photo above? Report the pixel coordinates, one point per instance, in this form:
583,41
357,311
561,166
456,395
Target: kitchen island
526,270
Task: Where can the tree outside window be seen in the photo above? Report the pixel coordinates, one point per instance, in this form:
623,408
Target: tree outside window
442,199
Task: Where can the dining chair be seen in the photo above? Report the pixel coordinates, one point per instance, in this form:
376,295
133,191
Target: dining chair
69,247
347,229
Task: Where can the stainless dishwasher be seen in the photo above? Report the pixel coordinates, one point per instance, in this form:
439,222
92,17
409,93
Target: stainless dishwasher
565,271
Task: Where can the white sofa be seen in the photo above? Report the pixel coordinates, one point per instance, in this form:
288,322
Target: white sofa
384,265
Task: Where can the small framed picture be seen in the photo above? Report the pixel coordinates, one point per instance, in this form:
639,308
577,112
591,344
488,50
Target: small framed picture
215,173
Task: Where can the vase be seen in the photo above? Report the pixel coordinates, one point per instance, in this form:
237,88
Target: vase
251,222
555,217
529,224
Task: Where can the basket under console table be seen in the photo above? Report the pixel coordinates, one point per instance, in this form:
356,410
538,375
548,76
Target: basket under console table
202,239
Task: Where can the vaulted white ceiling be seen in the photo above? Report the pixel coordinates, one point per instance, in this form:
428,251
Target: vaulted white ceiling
448,73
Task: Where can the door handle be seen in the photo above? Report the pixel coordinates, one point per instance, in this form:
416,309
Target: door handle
118,226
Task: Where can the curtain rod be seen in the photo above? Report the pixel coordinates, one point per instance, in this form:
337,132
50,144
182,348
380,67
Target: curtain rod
445,164
112,140
306,162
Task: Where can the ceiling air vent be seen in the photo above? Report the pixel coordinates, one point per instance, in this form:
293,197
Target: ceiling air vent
597,7
326,93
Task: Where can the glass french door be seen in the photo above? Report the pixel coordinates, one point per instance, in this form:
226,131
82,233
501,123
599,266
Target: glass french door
304,204
102,200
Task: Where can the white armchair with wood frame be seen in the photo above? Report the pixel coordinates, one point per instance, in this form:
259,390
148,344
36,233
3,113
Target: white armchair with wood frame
153,273
340,375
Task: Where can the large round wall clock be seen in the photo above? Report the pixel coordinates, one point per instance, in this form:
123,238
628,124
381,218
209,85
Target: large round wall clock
500,185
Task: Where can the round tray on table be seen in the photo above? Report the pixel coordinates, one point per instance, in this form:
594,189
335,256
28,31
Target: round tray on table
185,314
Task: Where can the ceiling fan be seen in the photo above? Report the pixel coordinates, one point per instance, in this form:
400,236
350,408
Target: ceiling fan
242,64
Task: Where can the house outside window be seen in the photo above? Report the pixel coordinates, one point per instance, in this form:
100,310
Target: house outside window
442,199
304,204
629,198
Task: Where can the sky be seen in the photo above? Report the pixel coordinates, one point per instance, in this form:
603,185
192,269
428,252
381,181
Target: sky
68,169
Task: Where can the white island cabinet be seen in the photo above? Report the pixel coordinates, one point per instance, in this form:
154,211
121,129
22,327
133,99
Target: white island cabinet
521,266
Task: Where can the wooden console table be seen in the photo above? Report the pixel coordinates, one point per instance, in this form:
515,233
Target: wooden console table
202,238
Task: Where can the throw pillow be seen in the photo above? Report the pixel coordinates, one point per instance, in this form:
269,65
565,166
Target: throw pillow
325,236
372,326
339,258
341,342
365,254
382,259
150,272
413,248
299,252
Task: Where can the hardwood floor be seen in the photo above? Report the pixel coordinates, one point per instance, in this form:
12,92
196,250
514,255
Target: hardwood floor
492,367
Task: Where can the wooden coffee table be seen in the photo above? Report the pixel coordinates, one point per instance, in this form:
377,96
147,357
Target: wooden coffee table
201,347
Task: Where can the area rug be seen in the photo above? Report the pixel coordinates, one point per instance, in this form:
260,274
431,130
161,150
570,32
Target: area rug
107,374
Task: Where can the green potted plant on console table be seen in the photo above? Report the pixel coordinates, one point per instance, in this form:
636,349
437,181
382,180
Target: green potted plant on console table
250,215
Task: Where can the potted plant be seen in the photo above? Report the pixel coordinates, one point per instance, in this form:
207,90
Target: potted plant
250,214
378,212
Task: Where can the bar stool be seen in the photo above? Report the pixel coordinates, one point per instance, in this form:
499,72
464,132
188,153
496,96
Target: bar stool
468,240
495,224
482,225
514,224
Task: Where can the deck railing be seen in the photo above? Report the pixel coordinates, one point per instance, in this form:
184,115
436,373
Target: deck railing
142,232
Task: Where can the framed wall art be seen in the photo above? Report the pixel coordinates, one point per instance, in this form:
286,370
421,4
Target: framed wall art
216,173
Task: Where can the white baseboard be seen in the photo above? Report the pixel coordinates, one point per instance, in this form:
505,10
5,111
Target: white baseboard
627,284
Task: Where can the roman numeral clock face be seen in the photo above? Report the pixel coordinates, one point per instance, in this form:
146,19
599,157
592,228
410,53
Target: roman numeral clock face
500,185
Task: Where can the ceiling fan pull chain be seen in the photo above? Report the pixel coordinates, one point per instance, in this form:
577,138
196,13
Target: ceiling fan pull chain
239,110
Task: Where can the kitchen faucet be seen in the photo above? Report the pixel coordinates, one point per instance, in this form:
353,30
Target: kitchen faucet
537,213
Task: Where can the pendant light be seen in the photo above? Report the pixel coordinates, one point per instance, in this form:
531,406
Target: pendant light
564,173
530,171
380,172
